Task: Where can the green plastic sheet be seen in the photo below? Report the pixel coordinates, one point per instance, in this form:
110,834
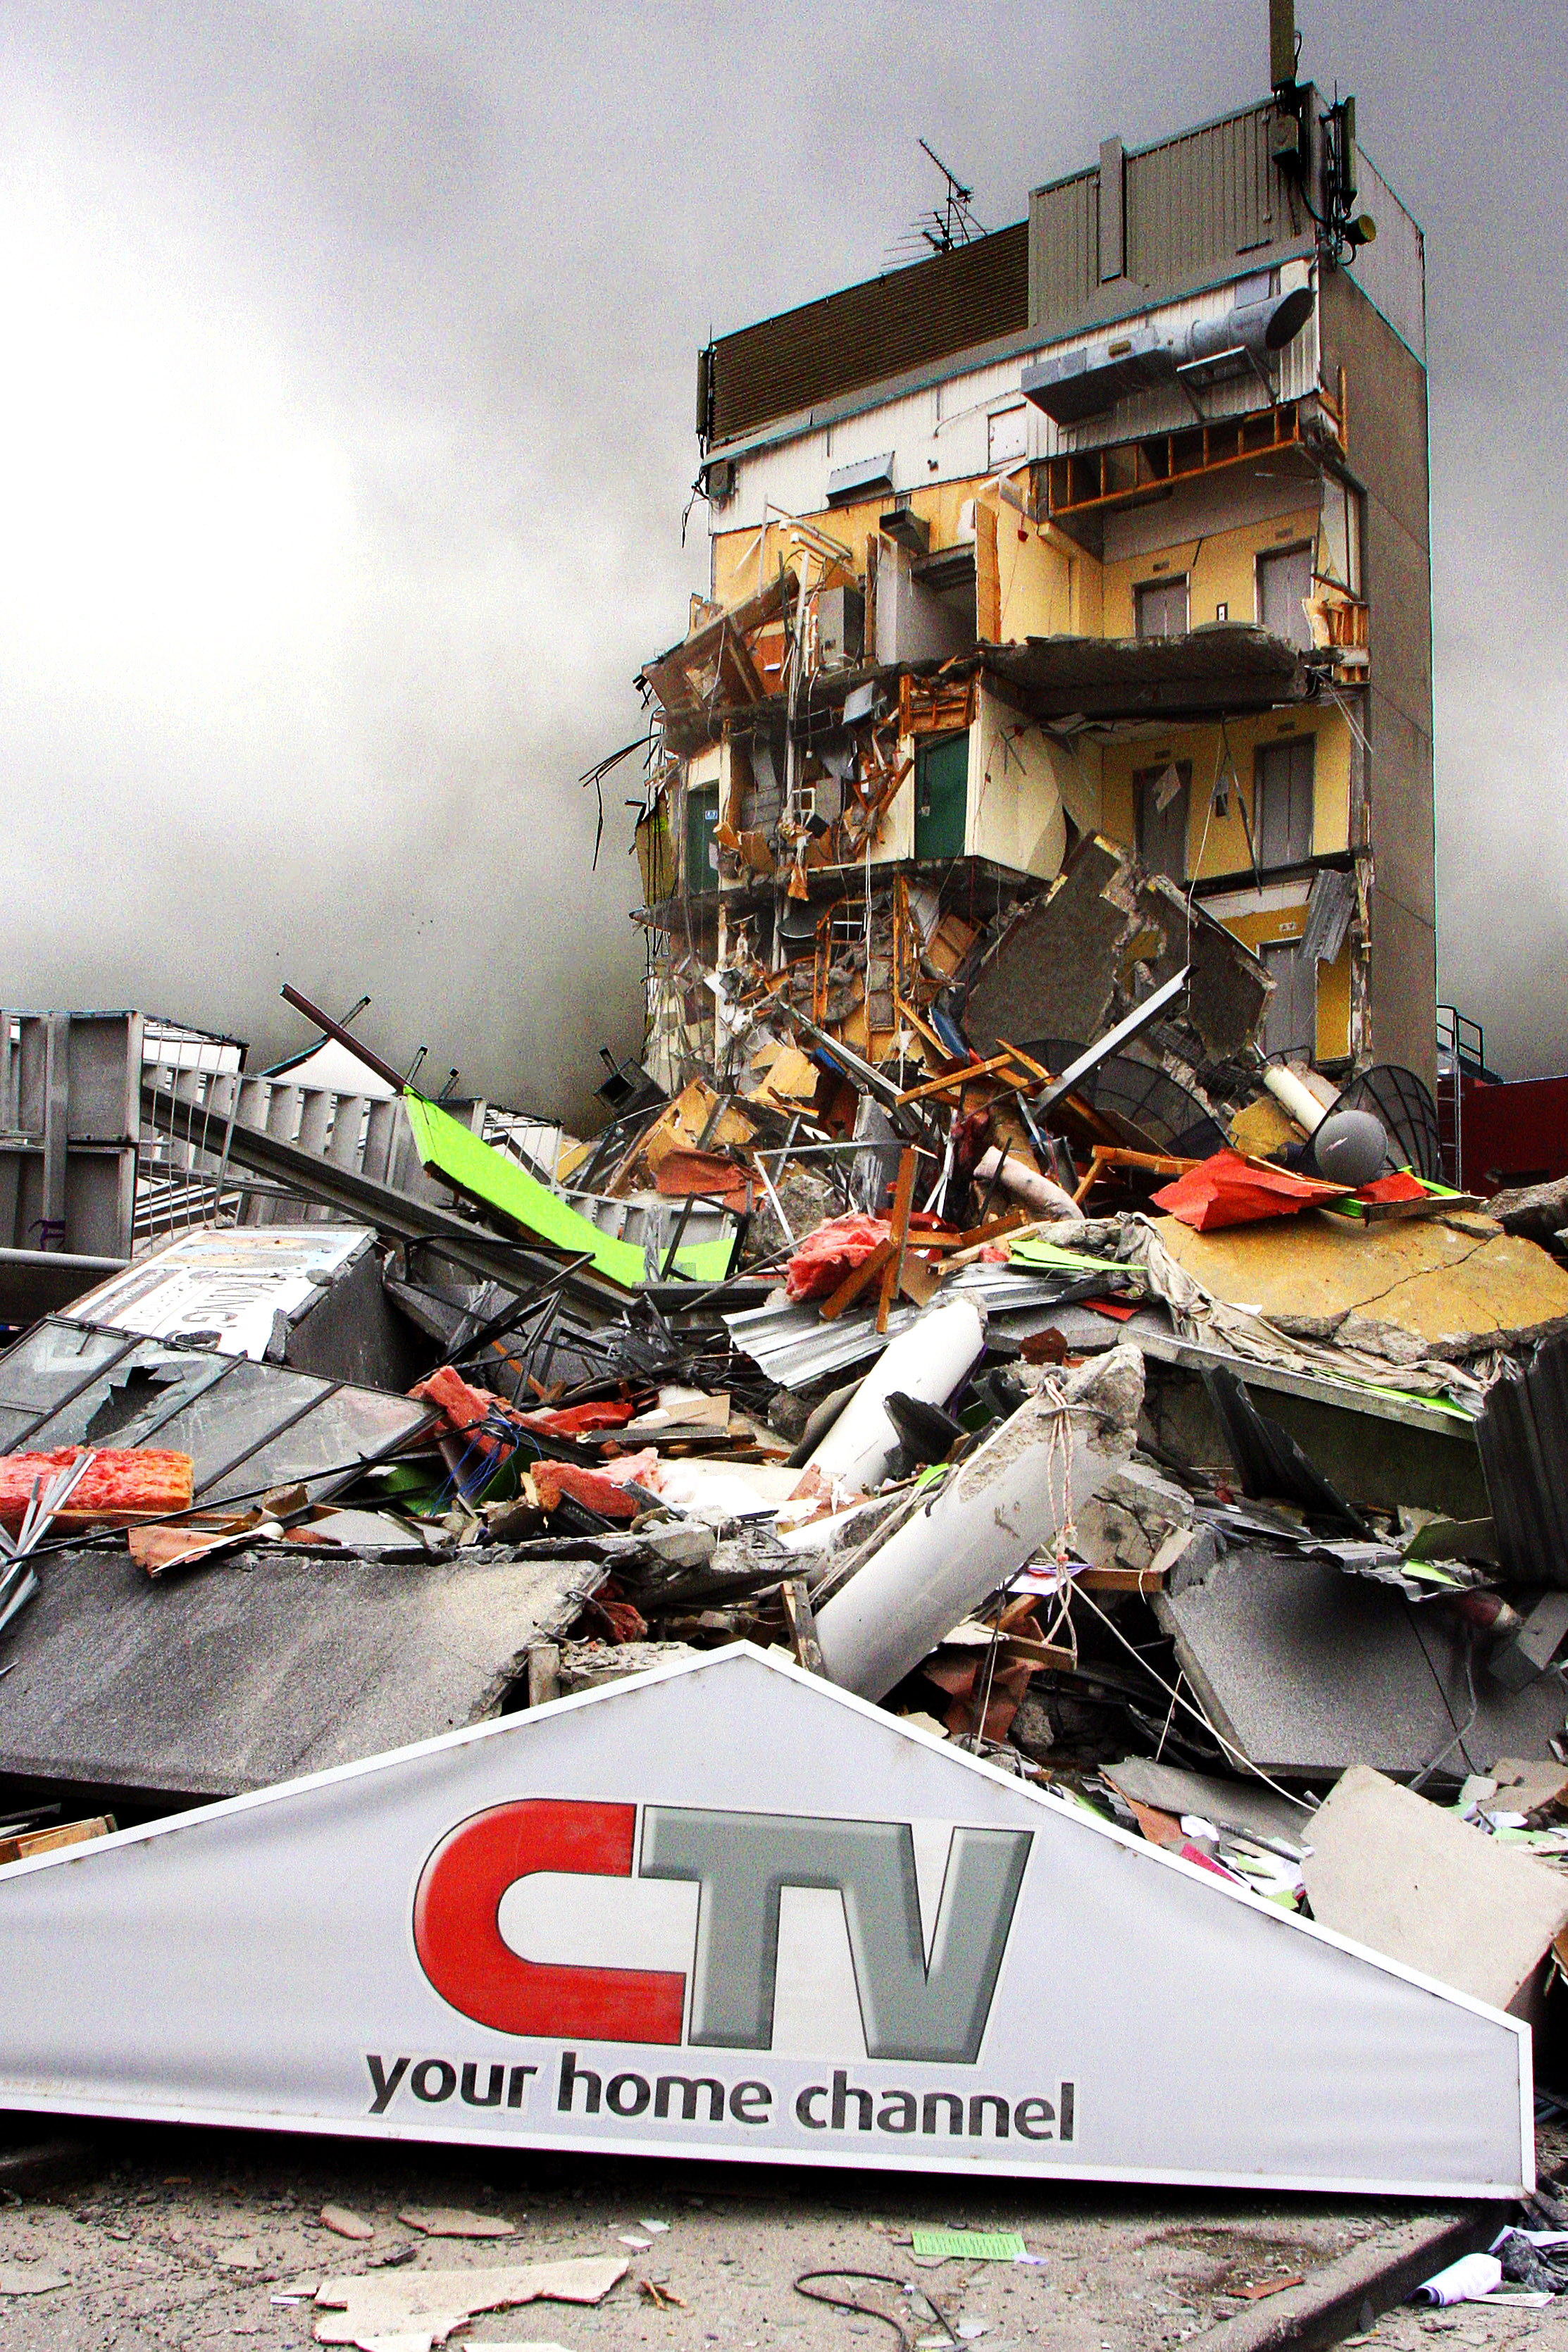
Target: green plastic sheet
475,1168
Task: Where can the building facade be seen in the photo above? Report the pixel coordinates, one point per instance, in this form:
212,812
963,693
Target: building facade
1113,522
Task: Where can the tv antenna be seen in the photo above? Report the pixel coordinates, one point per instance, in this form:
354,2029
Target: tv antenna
938,230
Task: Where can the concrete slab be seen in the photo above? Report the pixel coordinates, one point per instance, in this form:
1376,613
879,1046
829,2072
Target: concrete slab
1309,1670
1432,1287
258,1668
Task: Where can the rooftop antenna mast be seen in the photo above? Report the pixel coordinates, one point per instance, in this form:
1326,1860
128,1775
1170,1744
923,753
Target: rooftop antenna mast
938,230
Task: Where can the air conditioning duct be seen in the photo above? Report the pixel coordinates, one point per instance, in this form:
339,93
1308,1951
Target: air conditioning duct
1072,386
1253,330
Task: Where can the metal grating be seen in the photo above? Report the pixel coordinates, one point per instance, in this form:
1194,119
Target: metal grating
867,333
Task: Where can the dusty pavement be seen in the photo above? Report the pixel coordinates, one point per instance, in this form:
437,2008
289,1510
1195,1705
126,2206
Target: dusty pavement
168,2237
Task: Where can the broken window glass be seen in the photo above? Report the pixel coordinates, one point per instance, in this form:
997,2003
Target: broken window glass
127,1406
41,1370
326,1448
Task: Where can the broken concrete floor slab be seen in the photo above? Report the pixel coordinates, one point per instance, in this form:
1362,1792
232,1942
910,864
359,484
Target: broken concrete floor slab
1299,1666
264,1664
1401,1290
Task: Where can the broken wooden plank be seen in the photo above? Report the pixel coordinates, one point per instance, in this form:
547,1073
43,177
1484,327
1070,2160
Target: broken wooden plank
860,1278
802,1622
903,1197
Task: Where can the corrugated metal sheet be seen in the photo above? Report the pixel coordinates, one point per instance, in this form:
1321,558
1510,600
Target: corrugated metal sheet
1063,251
1196,205
868,332
1195,202
794,1346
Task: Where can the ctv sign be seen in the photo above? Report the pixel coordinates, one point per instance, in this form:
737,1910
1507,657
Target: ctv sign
911,2008
914,1962
916,2004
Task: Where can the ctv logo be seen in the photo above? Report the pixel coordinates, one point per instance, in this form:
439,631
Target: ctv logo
912,2006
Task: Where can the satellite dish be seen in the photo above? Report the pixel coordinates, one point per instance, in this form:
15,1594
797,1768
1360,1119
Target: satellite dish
1409,1115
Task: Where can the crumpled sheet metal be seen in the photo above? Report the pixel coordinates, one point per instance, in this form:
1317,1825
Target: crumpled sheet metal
792,1345
1198,1315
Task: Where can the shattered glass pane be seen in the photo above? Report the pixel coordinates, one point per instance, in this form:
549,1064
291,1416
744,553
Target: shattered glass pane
217,1427
51,1361
125,1406
327,1447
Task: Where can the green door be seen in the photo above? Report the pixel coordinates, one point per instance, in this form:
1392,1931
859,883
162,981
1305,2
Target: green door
701,849
941,797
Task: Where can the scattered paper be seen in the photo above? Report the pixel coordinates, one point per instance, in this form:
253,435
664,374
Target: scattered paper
653,2228
1469,2280
337,2218
637,2245
30,2278
970,2245
449,2221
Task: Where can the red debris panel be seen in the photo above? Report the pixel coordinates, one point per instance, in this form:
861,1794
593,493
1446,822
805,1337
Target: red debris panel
834,1250
581,1420
462,1405
1230,1191
554,1479
1400,1186
681,1173
144,1483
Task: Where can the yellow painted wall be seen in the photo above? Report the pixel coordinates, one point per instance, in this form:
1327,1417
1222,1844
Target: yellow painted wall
1016,816
1049,588
1226,851
1334,1008
735,552
1222,568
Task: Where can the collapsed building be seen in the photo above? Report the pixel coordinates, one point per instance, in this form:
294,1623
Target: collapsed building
1110,523
1002,1496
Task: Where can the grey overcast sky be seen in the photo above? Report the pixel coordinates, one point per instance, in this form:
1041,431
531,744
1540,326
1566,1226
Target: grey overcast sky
346,416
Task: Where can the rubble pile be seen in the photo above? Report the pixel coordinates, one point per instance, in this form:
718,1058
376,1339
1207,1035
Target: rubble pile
1217,1489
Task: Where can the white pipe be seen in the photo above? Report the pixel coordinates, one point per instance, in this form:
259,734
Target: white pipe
927,1362
1047,1199
996,1511
1300,1102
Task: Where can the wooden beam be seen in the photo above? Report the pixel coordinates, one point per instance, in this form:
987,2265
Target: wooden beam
802,1623
903,1199
960,1077
859,1278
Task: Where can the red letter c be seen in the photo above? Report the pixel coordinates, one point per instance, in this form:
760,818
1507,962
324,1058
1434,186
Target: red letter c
459,1943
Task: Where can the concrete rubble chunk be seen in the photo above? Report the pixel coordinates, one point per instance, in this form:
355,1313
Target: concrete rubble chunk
1008,1500
1408,1879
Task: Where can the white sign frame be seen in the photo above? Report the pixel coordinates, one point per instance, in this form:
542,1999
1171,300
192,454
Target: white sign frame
268,1962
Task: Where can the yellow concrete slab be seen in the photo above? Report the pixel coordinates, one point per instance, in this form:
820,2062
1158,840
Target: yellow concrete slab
1425,1285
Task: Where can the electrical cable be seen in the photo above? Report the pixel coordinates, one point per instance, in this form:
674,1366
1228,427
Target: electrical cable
804,2285
1236,1755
